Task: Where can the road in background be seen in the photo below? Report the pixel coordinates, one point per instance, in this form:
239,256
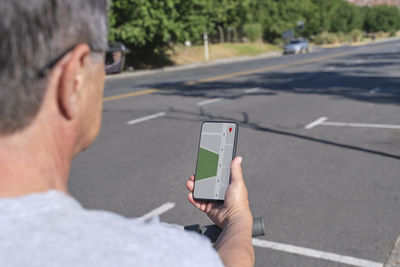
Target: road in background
333,187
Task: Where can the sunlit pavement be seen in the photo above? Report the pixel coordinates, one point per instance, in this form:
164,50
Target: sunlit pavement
329,194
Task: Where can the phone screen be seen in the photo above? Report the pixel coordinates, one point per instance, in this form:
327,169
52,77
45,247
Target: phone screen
216,151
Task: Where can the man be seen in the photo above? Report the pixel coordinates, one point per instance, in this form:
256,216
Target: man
52,78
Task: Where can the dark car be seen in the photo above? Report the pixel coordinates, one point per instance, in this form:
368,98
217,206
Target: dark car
296,46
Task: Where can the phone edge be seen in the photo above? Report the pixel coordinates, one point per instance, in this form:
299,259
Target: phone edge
233,156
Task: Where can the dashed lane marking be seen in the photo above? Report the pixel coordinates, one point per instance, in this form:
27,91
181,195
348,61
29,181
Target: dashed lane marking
205,102
150,117
252,90
160,210
375,90
329,69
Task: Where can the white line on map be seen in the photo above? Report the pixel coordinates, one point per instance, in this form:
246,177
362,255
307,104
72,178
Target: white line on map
315,253
210,133
150,117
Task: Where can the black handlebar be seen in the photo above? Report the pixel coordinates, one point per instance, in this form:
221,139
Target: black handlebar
213,231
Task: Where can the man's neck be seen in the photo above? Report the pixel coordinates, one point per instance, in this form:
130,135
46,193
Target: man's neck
32,163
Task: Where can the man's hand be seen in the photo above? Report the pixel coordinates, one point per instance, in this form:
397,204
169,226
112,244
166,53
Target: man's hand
233,216
236,204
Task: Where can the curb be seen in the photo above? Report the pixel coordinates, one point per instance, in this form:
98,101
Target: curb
394,257
193,65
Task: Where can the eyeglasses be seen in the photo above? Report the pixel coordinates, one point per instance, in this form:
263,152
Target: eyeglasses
115,48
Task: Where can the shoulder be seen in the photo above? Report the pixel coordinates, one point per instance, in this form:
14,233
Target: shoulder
147,242
155,243
53,227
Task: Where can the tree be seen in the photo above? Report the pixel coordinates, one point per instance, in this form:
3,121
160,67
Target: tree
149,28
346,17
382,18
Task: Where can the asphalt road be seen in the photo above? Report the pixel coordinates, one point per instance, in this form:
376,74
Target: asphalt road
333,188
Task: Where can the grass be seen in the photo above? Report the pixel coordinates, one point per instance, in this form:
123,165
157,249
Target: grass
186,55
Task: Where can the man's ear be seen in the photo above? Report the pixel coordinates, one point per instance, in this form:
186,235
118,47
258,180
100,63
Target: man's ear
71,81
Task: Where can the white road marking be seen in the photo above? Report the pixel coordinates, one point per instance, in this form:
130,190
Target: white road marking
205,102
322,121
146,118
329,69
252,90
362,125
315,253
315,123
375,90
394,257
160,210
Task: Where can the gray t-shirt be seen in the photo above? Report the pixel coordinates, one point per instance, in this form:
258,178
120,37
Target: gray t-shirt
53,229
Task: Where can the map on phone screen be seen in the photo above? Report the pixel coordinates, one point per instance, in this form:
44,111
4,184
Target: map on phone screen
217,145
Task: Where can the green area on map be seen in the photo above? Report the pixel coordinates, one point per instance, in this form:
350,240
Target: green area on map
207,164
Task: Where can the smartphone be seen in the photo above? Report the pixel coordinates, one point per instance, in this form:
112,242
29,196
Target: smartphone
217,148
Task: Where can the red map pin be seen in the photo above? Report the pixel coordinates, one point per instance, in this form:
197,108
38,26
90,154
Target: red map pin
230,130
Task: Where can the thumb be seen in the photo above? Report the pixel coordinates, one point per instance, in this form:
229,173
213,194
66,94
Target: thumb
236,170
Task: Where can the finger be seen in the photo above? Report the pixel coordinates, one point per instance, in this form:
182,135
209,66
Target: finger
201,205
192,178
191,200
190,185
215,205
210,206
236,170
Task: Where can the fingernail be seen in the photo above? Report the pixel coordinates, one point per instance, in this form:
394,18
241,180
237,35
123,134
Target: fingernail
240,160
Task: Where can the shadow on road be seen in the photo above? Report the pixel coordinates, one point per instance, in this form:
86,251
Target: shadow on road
245,122
352,80
331,83
346,81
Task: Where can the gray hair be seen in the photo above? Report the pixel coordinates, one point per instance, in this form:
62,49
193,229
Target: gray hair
33,34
